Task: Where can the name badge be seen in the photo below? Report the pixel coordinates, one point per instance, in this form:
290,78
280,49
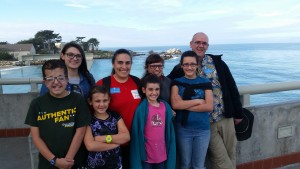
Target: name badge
135,94
115,90
208,71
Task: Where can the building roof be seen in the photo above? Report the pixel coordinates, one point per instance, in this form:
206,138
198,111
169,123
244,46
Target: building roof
16,47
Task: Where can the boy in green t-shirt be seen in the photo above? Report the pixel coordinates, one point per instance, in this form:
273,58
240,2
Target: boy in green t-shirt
58,121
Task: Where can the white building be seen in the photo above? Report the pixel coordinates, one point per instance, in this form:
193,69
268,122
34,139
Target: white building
18,50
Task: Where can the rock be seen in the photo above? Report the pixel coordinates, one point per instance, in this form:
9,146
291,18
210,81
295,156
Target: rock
174,51
170,53
6,63
19,63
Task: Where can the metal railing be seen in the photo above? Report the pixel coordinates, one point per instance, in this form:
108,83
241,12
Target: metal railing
245,91
21,81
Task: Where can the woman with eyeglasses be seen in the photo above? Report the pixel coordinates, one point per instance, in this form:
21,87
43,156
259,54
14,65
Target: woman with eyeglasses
154,64
80,79
192,99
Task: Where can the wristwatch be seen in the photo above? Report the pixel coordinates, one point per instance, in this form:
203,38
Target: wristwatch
108,139
52,162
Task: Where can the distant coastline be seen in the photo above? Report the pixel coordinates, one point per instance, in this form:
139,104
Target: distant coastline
7,67
168,54
6,64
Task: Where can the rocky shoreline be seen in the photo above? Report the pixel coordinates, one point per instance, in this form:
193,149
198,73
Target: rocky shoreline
20,63
97,55
165,55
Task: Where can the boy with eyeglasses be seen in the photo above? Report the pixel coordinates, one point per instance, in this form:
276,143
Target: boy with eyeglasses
58,121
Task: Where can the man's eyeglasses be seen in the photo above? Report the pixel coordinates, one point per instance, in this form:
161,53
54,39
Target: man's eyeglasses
186,65
72,55
156,66
201,43
58,78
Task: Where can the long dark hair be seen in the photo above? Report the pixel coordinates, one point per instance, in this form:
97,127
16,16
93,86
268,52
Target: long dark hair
83,66
117,52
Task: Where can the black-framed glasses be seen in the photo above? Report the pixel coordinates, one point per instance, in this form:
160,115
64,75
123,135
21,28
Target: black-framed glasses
156,66
58,78
72,55
193,65
201,43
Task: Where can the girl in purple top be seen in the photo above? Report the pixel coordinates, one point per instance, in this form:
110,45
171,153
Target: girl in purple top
105,134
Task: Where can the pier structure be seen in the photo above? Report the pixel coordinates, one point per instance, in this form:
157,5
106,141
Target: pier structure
27,59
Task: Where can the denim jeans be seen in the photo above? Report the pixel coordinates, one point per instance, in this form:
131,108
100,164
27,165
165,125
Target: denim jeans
154,165
192,147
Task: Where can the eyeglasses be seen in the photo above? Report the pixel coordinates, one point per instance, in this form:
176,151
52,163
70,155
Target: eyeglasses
156,66
72,55
58,78
193,65
201,43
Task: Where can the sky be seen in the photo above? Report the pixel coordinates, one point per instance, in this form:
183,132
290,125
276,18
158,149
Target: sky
134,23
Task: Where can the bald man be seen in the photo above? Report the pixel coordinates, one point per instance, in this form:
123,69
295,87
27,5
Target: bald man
227,105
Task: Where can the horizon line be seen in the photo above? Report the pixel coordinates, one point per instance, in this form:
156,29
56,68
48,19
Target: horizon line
209,44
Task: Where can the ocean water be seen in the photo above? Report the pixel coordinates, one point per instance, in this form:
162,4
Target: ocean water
249,64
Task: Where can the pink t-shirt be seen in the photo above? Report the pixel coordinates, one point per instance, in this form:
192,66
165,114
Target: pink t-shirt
155,134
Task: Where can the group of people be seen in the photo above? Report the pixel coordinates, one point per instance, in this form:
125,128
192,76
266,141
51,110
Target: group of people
121,121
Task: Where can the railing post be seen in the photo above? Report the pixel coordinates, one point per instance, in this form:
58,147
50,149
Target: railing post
1,90
34,87
245,99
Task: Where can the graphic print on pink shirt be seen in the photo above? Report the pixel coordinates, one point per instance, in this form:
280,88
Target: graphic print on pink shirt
155,134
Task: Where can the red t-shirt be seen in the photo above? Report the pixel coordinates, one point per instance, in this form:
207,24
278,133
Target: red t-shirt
124,99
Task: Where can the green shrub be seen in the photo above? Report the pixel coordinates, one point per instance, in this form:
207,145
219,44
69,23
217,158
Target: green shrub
6,56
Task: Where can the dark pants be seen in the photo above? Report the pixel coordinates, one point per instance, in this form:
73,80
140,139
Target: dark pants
125,156
153,165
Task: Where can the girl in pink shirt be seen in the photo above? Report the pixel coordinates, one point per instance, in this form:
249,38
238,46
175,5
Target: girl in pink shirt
153,140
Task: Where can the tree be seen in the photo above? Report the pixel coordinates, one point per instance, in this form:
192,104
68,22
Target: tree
79,40
3,43
48,39
90,45
94,43
6,56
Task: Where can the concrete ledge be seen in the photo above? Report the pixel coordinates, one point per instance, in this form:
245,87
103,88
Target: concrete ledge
274,162
265,147
14,109
264,142
15,153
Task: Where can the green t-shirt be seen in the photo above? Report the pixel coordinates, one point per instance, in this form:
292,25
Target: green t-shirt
57,120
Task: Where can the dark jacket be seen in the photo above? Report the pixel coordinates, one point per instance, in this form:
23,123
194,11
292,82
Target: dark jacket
231,96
